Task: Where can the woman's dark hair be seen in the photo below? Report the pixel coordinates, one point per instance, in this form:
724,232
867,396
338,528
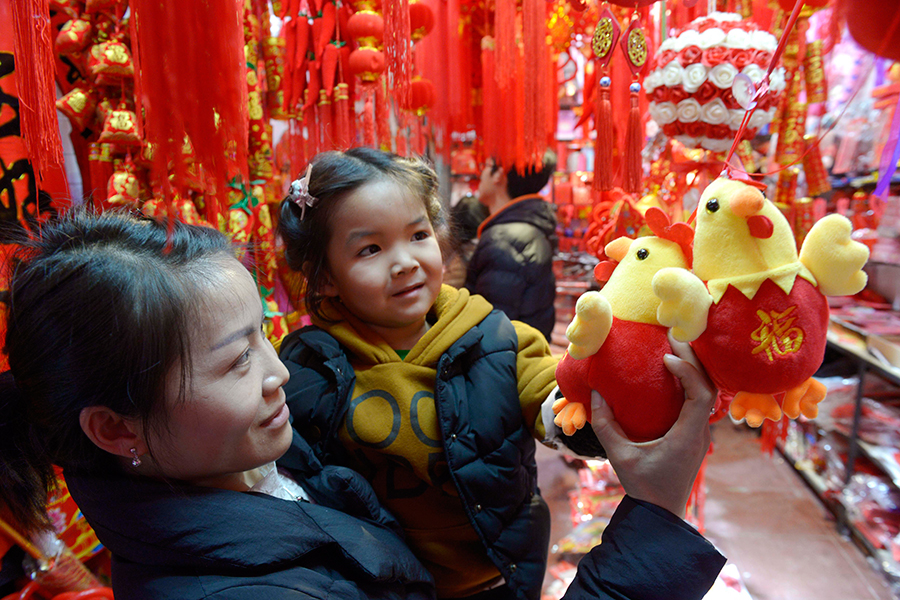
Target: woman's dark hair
334,176
99,312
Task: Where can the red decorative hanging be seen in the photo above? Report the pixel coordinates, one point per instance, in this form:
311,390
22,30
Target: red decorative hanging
194,85
36,88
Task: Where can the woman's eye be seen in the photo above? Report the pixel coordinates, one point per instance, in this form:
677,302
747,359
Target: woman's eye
243,359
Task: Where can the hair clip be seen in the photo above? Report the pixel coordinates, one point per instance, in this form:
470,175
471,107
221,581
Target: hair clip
300,195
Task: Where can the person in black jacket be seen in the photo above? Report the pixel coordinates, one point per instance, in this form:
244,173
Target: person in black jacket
138,364
512,265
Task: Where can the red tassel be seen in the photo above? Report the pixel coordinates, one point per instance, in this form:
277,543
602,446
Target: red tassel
398,49
369,115
382,125
603,145
326,121
634,143
194,87
35,60
505,39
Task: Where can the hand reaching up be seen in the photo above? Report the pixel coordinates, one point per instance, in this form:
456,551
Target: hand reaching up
662,471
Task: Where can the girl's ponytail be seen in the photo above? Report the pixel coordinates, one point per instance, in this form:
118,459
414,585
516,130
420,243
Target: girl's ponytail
26,474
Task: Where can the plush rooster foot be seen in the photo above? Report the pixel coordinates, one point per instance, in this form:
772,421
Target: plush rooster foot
804,399
755,408
570,416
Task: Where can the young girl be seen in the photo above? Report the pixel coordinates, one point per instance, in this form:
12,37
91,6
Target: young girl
430,393
138,364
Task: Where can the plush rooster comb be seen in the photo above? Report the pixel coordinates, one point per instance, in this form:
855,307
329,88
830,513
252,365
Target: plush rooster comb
737,173
680,233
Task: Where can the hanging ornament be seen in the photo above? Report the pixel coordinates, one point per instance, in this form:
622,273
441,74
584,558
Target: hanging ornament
603,42
80,105
74,36
421,20
123,188
110,62
120,127
421,96
634,43
694,89
367,62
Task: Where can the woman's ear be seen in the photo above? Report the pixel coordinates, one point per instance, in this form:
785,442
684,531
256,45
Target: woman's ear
110,431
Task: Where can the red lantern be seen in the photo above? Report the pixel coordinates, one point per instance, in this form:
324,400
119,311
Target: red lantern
421,95
421,20
367,63
367,28
874,26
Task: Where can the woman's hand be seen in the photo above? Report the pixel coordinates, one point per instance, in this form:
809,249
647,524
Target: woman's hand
662,471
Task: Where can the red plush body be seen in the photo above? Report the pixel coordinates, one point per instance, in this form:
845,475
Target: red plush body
766,345
629,373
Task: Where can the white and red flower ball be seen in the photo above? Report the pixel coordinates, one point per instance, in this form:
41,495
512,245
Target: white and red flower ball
692,85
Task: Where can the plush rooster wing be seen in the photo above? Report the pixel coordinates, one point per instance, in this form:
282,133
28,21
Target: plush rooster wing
616,343
763,335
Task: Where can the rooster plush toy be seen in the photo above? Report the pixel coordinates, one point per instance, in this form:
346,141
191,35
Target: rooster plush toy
616,343
760,330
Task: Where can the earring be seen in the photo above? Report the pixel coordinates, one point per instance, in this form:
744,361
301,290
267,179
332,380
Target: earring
136,461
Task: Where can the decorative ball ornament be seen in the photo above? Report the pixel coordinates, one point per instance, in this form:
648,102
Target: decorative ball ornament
421,20
421,95
367,63
367,28
698,87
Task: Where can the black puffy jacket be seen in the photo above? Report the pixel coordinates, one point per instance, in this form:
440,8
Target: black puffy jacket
489,448
513,263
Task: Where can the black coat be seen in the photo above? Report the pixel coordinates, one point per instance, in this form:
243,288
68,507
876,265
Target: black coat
179,541
513,263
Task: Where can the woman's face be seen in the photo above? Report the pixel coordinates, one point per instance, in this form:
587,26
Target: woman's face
233,417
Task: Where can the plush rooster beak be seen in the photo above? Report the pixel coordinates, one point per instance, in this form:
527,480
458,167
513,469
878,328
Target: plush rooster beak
747,203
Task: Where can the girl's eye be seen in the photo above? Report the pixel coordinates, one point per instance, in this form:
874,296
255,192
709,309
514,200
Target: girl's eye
369,250
421,235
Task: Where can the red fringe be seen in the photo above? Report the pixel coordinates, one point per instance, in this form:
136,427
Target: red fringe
771,433
603,145
398,49
634,143
35,65
697,498
382,117
534,17
326,122
505,40
368,117
195,85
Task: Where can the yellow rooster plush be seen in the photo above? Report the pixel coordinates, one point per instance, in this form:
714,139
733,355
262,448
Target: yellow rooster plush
763,334
616,344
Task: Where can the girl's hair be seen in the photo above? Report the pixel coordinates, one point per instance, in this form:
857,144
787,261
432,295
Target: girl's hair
99,313
334,176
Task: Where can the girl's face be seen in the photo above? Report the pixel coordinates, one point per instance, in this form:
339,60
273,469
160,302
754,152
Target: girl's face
384,262
234,417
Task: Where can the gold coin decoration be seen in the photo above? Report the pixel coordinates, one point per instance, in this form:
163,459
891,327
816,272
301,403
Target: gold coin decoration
637,47
602,40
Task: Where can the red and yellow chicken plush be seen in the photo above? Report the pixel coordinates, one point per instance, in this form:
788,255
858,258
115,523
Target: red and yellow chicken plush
616,344
760,325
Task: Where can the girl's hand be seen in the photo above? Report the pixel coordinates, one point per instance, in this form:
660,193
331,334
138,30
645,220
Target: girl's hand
662,471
